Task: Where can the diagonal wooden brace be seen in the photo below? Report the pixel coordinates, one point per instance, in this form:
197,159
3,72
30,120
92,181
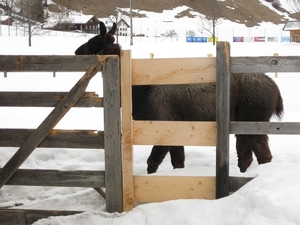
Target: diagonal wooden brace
47,125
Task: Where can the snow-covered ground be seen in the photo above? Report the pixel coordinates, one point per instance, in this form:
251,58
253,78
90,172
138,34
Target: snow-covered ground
271,198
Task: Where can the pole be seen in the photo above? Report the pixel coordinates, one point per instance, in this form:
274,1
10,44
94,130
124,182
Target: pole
131,38
0,24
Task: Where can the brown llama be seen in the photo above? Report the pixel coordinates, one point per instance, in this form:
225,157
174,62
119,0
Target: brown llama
253,97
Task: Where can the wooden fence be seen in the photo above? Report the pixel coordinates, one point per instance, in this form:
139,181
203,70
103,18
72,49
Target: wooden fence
118,172
44,136
145,188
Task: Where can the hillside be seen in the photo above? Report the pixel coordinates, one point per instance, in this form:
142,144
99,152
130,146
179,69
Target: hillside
250,12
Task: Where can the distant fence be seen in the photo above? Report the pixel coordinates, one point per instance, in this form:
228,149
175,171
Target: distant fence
151,35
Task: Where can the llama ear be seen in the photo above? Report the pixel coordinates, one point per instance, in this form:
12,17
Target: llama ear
102,30
113,29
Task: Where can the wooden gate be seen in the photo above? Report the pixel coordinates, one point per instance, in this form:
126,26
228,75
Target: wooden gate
44,136
145,188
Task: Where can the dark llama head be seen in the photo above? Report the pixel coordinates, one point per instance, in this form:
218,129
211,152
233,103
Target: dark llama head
101,44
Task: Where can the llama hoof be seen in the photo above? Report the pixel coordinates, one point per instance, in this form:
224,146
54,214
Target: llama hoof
151,169
152,166
265,160
244,164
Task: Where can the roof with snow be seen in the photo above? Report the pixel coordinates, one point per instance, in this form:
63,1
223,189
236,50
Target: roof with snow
82,18
4,18
292,25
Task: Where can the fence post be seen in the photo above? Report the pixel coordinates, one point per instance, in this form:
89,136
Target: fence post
112,135
276,74
223,119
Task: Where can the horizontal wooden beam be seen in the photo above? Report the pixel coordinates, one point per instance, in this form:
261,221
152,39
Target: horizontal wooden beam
46,99
57,178
265,64
164,188
49,63
265,128
174,133
29,216
173,71
55,139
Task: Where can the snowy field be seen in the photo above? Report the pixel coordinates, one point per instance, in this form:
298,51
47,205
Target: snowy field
271,198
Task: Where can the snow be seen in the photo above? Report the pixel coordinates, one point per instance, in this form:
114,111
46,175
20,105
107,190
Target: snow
271,198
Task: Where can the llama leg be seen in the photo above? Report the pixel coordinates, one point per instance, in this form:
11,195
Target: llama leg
244,152
260,147
177,156
157,155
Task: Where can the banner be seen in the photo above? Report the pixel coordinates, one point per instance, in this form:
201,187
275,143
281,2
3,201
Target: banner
238,39
285,39
259,39
272,39
196,39
210,39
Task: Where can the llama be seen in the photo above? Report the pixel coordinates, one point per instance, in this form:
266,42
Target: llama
253,97
101,44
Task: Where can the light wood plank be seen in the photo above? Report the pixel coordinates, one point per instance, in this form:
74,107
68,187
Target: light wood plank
127,148
175,133
164,188
173,71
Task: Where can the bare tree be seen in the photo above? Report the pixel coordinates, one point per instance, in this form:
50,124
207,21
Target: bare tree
208,25
190,33
64,20
10,5
170,33
33,15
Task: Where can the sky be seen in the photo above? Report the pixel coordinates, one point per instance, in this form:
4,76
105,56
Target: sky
271,198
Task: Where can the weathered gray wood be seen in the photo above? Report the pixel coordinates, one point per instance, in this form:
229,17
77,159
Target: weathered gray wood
46,99
29,216
76,178
236,183
49,63
112,135
264,128
101,192
223,119
89,139
47,125
9,217
265,64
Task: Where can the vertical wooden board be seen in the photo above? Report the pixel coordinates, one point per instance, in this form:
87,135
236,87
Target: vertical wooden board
112,135
223,119
127,141
164,188
173,71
